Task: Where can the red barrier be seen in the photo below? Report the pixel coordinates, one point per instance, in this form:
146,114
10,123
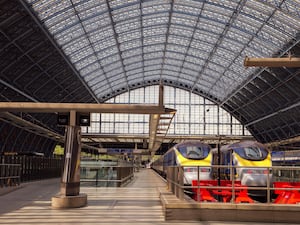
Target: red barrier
210,188
242,196
287,196
202,194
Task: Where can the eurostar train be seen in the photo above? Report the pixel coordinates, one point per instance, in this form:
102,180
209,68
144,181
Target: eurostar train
190,155
252,161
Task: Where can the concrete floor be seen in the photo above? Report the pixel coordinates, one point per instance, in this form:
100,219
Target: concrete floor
137,203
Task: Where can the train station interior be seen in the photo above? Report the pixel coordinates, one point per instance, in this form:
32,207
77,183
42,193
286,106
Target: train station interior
102,101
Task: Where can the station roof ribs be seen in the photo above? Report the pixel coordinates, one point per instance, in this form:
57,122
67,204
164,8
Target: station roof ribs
90,51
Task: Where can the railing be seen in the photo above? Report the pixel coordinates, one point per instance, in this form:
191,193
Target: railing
10,175
34,167
106,176
277,189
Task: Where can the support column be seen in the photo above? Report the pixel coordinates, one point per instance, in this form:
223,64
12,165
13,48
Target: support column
70,181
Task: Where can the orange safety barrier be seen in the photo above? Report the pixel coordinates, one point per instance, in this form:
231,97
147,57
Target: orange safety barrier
225,194
202,194
287,196
242,196
206,194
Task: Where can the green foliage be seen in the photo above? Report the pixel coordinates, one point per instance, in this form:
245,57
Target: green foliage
58,150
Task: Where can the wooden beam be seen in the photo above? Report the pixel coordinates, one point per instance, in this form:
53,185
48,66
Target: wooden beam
283,142
272,62
82,107
153,123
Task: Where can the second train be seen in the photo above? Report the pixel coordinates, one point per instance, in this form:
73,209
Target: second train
248,162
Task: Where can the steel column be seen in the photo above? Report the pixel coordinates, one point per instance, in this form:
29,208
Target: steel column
70,181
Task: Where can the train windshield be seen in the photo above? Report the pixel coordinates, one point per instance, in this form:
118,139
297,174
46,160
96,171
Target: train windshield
252,153
194,151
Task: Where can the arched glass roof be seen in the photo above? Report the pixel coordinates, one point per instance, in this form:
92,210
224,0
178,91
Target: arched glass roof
118,44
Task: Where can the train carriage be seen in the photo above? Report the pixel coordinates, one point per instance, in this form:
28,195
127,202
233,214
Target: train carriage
251,163
190,155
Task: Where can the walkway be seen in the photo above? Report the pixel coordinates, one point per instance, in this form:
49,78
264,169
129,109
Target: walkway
138,203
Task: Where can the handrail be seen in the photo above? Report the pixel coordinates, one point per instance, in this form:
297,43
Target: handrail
10,175
274,183
106,175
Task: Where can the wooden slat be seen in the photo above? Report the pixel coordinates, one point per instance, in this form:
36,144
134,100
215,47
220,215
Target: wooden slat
82,107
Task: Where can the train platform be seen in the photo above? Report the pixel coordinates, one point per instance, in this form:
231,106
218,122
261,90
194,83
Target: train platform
137,203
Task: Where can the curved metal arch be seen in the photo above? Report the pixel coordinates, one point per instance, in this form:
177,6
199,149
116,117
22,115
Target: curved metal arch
99,14
166,82
50,37
207,3
63,10
252,36
240,29
158,65
128,49
169,65
191,27
91,32
267,3
271,25
135,48
256,18
196,71
157,70
90,44
116,54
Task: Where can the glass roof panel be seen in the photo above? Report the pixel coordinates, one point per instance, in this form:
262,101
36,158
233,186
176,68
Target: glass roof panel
134,71
188,7
157,19
130,45
176,48
153,62
191,71
152,31
93,82
181,30
125,13
133,59
291,7
200,41
115,72
123,37
134,66
192,66
175,55
112,66
178,40
184,19
130,24
155,6
153,48
151,73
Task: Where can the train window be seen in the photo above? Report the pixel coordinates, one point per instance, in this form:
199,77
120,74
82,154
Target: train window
252,153
194,152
